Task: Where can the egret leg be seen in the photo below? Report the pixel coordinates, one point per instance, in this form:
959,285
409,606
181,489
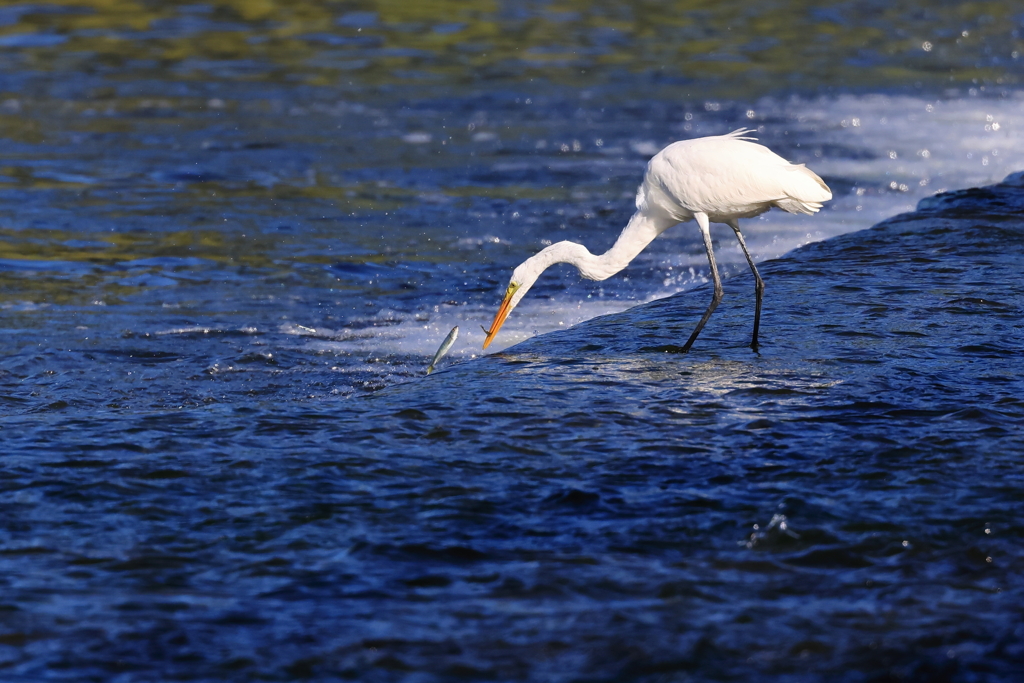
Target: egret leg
758,282
705,232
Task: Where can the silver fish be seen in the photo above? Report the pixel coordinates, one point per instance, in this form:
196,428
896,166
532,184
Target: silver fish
445,345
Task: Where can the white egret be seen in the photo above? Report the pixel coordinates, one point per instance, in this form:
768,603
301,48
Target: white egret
717,179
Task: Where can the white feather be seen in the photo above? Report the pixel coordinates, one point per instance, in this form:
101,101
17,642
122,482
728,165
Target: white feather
718,179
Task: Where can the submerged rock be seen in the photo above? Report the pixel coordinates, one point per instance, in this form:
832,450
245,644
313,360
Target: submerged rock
882,420
867,337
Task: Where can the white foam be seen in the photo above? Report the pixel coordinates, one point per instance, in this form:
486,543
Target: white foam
900,149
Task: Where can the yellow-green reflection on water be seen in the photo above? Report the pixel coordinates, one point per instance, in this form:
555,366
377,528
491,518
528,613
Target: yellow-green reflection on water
705,48
252,134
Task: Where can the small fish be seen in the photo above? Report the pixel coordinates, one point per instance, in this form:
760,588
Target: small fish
445,345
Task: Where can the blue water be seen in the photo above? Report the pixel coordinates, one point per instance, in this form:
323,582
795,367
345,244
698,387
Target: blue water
233,235
582,506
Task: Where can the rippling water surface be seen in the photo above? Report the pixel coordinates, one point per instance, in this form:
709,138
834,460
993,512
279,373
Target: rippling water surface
233,234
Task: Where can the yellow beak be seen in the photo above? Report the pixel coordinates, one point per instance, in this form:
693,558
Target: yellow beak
503,311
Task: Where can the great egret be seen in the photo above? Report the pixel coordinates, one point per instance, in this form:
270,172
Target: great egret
717,179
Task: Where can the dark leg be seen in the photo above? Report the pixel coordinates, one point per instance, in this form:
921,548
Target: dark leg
758,282
705,231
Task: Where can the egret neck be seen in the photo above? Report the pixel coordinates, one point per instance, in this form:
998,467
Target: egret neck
638,233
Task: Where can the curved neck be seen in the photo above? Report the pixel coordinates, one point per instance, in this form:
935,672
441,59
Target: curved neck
642,228
637,234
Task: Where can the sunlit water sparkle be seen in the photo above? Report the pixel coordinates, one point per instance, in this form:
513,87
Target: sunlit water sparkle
232,235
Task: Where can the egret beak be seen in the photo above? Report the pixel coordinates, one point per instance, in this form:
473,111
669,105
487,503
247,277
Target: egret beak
503,312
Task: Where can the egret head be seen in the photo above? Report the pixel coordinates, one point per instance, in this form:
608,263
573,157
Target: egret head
527,272
523,278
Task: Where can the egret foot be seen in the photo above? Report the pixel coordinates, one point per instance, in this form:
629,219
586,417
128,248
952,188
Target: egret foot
667,348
